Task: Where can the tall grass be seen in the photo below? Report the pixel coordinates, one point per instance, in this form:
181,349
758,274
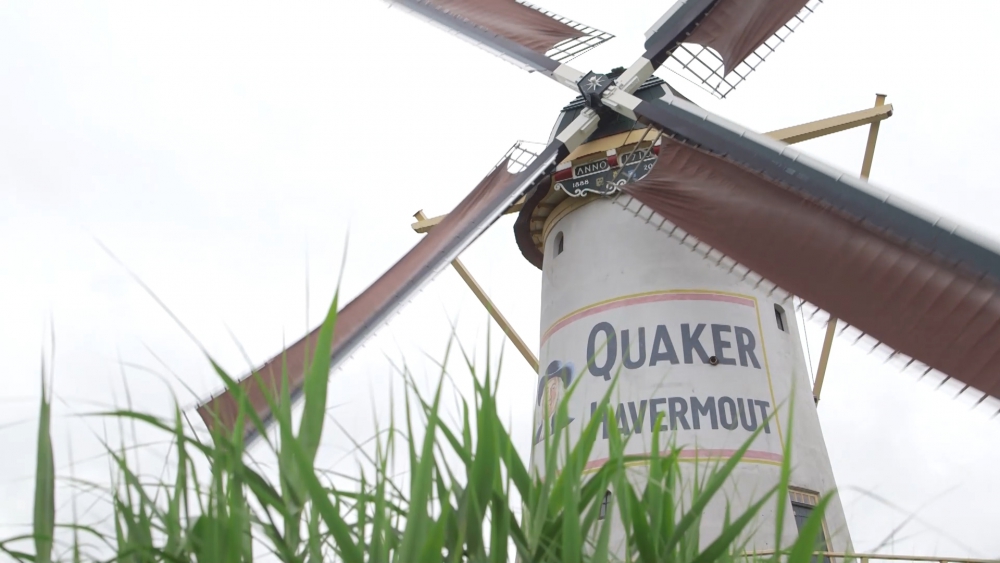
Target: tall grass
467,494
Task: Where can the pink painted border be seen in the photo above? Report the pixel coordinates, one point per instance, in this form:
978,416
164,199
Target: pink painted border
640,299
707,455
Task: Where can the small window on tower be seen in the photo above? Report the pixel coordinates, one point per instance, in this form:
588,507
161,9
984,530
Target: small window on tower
803,503
604,505
559,243
779,317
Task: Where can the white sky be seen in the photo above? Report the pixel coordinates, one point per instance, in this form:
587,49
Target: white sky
224,152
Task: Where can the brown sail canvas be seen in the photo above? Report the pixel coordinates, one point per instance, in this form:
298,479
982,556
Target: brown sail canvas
916,303
735,28
512,20
356,318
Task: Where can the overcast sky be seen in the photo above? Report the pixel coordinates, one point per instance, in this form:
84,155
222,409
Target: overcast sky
225,152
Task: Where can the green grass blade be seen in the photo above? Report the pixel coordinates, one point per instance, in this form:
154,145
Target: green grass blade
45,483
656,498
421,482
378,551
484,470
338,528
784,479
642,535
293,490
172,519
316,384
500,524
601,553
315,541
712,486
731,532
572,538
432,548
515,465
808,540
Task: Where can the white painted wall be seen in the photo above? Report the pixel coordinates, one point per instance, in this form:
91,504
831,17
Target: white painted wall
617,267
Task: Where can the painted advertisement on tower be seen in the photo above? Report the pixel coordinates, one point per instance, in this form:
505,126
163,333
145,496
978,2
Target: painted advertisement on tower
698,358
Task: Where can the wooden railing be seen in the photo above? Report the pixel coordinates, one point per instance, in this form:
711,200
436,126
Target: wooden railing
866,557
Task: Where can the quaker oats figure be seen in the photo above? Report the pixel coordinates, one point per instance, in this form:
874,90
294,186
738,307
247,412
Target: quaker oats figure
551,388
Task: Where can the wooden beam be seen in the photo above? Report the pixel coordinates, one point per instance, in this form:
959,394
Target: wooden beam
518,342
814,129
824,357
426,224
866,164
831,326
844,557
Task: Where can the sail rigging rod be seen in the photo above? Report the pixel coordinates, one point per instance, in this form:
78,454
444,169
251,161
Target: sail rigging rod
831,326
505,325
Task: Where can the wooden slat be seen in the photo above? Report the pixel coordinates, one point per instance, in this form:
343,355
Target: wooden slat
866,168
814,129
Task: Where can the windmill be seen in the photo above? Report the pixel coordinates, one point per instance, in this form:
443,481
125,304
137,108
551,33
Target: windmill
671,242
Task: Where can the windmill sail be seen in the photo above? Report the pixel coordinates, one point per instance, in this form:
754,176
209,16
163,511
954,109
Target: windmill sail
512,20
735,28
361,316
718,43
920,287
524,34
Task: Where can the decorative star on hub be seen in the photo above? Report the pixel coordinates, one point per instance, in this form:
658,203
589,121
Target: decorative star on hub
595,82
593,86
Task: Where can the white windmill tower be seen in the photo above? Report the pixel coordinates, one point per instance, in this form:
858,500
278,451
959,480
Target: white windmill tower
690,334
672,241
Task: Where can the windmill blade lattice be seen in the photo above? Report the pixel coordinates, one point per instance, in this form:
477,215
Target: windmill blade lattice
569,49
521,33
705,67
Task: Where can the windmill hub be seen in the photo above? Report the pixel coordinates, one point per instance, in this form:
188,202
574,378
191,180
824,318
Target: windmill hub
593,87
